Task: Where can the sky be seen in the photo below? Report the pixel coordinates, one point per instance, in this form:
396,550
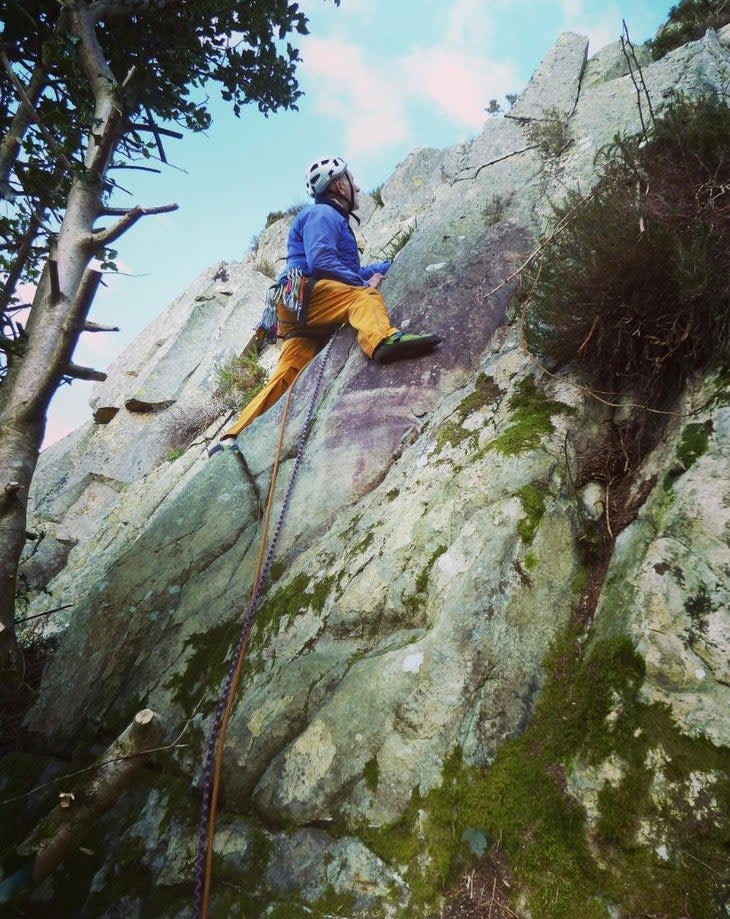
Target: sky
380,79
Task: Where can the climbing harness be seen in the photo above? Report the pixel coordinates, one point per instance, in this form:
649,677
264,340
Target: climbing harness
292,293
216,741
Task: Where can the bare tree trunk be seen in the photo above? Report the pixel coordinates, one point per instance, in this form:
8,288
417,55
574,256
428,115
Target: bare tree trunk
56,320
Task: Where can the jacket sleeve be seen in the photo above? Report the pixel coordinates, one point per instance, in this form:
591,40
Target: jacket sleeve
320,235
367,271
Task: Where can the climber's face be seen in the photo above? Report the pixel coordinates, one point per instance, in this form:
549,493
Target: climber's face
348,190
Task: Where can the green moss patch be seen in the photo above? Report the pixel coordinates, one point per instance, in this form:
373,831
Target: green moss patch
486,391
589,712
207,663
414,603
331,903
533,505
279,610
453,433
692,445
211,650
532,414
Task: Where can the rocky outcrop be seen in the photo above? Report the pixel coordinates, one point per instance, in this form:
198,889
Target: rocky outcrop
417,675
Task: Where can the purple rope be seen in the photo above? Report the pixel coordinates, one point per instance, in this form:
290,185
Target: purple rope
201,852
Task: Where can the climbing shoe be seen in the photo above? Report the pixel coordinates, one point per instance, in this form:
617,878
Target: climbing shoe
229,445
402,344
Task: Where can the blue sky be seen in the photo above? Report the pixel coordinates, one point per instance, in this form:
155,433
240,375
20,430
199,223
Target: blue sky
381,78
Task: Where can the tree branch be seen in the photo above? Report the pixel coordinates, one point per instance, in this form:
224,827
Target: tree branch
25,249
165,132
95,327
98,72
17,131
111,234
103,9
77,372
85,294
497,160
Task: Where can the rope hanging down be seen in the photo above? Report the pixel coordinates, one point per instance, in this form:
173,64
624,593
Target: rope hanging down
216,741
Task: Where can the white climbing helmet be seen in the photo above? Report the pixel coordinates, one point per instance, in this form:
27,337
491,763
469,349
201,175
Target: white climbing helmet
322,172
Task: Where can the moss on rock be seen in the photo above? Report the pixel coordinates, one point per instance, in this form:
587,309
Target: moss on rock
568,864
486,391
693,444
531,420
533,505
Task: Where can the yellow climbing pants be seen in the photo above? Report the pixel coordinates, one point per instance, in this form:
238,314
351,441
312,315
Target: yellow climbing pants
331,304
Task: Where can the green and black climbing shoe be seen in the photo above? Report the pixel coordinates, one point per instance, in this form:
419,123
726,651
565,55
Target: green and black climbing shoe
229,444
400,345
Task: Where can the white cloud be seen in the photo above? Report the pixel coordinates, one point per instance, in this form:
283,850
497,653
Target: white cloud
459,84
468,25
376,98
571,8
350,87
600,31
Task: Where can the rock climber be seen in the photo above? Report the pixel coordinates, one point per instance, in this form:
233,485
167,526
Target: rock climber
323,286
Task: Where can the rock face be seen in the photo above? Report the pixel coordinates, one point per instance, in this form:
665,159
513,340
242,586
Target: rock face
417,677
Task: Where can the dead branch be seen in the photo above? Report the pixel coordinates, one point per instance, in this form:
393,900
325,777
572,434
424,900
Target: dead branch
76,372
111,234
100,763
158,133
155,129
96,327
493,162
48,612
627,43
64,828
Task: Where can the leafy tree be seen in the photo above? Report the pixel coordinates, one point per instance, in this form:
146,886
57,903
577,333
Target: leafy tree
87,87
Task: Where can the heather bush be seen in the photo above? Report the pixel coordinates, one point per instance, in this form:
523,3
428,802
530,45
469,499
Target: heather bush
634,288
688,21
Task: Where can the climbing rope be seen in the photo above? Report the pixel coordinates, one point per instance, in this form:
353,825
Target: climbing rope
216,741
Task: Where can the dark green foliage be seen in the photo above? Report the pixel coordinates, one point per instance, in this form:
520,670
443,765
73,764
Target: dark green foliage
688,21
635,288
550,134
495,209
371,774
166,55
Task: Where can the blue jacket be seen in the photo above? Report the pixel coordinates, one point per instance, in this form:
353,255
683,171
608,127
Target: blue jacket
322,244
